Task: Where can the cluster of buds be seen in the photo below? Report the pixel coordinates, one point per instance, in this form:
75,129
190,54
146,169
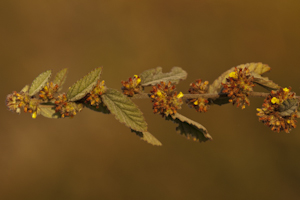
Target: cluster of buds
94,97
66,108
270,113
132,86
200,104
165,99
48,91
238,86
17,101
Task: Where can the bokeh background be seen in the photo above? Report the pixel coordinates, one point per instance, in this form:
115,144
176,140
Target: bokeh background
93,156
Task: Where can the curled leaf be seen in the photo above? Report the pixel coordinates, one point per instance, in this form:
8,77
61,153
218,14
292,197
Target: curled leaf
288,107
257,68
101,108
49,111
148,137
84,85
39,82
264,82
124,110
60,78
189,128
155,76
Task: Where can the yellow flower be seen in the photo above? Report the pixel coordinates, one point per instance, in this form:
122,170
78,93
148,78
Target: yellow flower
233,75
138,79
33,115
286,90
196,102
274,100
158,93
179,95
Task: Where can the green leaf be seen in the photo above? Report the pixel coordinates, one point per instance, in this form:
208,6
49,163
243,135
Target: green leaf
60,78
39,82
49,111
288,107
101,108
155,76
148,137
264,82
84,85
124,110
257,68
189,128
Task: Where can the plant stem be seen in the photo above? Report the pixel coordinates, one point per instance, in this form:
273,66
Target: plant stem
209,96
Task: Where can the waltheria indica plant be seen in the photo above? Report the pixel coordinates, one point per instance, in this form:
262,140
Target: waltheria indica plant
278,111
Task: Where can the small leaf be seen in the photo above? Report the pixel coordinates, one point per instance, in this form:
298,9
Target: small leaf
84,85
39,82
101,108
49,112
60,78
189,128
124,110
257,68
264,82
288,107
155,76
221,100
25,89
148,137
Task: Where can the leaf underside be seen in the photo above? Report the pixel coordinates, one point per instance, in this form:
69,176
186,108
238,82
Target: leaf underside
221,100
189,128
60,78
39,82
101,108
124,110
148,137
288,107
84,85
155,76
258,68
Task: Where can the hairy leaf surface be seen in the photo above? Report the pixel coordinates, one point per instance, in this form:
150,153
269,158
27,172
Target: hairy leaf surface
60,78
189,128
84,85
39,82
288,107
148,137
257,68
124,110
155,76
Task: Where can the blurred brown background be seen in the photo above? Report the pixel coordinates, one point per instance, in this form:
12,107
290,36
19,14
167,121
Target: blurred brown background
93,156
